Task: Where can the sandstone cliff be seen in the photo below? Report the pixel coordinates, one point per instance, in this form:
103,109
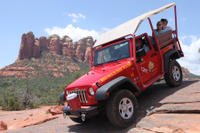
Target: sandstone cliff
33,47
52,55
29,47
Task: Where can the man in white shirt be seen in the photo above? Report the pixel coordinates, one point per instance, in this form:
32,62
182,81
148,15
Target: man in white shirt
164,23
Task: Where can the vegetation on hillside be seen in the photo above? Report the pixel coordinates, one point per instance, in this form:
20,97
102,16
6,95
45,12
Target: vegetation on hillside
41,89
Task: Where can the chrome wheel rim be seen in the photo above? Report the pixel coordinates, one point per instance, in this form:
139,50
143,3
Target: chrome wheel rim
126,108
176,73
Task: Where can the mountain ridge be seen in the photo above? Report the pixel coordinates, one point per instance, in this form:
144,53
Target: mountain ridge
33,47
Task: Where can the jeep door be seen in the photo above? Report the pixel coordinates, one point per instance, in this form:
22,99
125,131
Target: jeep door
148,63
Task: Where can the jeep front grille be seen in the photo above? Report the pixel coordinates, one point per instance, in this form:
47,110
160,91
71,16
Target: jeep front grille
81,94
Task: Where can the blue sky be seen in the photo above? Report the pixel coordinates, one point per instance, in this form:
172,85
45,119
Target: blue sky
88,17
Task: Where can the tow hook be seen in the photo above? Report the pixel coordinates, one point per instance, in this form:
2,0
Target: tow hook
83,117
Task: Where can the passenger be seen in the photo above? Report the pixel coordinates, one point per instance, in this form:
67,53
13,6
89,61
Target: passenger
164,23
159,28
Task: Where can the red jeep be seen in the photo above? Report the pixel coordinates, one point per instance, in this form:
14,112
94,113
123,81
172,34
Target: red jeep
120,71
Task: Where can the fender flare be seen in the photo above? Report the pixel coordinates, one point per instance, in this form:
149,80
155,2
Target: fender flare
167,57
101,93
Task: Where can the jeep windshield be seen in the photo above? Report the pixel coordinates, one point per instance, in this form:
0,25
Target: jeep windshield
112,53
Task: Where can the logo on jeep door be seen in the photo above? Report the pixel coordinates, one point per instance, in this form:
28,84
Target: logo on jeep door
151,66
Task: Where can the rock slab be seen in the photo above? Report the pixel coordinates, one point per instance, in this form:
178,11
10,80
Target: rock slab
3,126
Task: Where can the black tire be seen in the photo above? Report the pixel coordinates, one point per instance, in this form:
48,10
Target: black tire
173,76
113,111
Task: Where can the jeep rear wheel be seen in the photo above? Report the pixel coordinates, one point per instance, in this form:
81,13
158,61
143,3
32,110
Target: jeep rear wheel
121,108
174,75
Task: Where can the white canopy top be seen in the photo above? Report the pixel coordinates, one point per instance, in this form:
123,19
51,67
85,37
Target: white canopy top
129,27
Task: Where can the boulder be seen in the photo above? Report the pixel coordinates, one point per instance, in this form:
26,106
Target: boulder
56,110
3,126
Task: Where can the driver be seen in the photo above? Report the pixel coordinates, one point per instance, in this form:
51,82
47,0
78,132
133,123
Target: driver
113,53
140,46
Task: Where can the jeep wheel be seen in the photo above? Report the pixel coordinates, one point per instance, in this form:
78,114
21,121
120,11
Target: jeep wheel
121,108
174,75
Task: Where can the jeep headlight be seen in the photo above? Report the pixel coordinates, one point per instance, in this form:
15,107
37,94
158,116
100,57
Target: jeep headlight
91,91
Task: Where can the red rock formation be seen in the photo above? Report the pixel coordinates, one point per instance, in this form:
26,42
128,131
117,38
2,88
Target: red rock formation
89,44
36,49
43,43
17,70
3,126
31,47
55,44
82,51
185,71
26,46
87,55
68,47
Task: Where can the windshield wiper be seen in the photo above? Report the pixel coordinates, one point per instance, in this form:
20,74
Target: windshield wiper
99,65
116,61
102,64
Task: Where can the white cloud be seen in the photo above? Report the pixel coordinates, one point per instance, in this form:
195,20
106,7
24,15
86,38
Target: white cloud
75,33
191,60
76,17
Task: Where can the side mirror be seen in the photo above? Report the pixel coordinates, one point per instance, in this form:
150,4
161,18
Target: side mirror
140,52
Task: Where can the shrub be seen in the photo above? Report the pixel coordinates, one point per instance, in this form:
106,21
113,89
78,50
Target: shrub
10,100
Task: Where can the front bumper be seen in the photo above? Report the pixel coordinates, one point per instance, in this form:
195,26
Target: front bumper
84,111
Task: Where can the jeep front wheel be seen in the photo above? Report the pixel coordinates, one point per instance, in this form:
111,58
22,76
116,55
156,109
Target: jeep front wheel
121,108
174,75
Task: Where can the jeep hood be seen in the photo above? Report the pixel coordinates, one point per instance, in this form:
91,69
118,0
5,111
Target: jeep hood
98,73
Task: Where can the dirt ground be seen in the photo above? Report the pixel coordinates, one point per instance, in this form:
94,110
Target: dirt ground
162,110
